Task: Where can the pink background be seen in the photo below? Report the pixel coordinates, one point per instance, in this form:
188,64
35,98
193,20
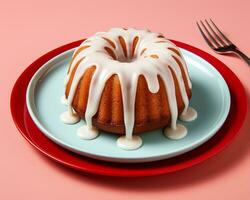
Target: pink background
29,29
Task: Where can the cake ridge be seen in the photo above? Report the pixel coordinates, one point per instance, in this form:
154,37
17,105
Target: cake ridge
161,65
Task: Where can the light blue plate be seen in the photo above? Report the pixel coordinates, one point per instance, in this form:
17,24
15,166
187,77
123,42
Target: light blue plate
211,98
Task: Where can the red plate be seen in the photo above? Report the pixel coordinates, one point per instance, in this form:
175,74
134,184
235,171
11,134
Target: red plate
36,138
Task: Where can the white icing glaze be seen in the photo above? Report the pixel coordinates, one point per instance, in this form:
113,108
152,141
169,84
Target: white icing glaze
129,143
175,134
128,69
87,133
64,101
189,115
68,117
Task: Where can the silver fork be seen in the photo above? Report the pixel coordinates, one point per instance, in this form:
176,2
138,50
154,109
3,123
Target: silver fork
218,41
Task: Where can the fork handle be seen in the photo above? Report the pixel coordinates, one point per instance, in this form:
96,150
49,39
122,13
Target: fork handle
243,56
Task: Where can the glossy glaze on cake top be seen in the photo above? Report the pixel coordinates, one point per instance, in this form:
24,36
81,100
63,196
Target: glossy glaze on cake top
128,53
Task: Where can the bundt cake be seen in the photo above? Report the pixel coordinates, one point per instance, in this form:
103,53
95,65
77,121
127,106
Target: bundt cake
128,81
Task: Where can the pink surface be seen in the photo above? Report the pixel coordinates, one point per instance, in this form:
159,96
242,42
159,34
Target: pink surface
30,29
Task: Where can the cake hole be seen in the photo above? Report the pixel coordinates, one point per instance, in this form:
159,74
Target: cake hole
128,54
110,42
160,36
154,56
143,50
174,50
110,52
123,44
135,41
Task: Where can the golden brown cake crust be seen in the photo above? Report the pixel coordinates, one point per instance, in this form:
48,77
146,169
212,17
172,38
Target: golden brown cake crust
151,110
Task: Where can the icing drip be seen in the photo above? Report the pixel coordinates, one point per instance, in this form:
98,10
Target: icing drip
68,117
87,133
129,54
132,143
175,133
189,115
64,100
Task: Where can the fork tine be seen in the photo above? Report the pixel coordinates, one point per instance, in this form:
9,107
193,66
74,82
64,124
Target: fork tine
223,36
209,34
205,37
215,34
